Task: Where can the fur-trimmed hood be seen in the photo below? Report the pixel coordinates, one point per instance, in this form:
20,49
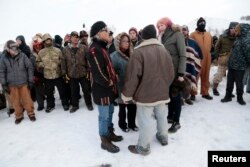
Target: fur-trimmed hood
152,41
117,42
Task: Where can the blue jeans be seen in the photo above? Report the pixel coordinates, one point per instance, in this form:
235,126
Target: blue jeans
105,118
145,121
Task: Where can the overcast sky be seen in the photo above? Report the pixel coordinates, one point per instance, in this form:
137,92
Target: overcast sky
29,17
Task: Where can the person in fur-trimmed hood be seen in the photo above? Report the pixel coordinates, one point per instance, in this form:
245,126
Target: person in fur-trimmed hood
149,67
174,42
120,60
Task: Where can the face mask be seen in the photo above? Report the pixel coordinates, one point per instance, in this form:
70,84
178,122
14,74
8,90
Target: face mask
201,26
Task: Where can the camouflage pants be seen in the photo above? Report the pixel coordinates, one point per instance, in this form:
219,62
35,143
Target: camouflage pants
221,72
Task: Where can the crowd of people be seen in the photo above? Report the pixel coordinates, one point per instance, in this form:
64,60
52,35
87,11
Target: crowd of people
143,72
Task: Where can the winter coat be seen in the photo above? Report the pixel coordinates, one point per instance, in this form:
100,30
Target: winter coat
49,60
16,71
174,42
120,61
225,43
75,63
149,74
24,47
104,93
240,55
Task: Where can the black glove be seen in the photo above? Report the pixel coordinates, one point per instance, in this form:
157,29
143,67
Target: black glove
6,89
30,85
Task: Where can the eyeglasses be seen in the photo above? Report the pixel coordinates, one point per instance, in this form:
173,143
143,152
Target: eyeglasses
124,41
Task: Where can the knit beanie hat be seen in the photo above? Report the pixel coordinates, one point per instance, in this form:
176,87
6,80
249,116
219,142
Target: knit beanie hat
133,29
232,25
96,27
58,39
166,21
149,32
201,19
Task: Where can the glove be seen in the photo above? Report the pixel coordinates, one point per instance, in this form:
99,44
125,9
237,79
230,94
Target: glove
66,78
30,85
6,89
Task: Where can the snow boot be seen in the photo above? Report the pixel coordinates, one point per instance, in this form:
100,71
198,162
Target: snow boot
240,100
19,120
138,150
108,145
227,98
113,136
175,126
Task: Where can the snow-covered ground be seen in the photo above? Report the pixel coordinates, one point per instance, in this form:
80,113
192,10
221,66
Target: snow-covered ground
61,139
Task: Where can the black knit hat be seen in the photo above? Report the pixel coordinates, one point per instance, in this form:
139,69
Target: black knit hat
58,39
96,27
149,32
201,19
232,25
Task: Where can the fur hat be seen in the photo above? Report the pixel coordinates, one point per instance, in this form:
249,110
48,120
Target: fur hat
166,21
58,39
178,86
149,32
21,38
201,19
232,25
96,27
133,29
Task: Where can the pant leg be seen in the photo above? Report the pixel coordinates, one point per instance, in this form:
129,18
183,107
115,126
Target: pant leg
16,101
131,115
145,122
174,107
161,113
103,119
60,84
49,92
221,71
74,88
230,82
239,75
204,75
39,89
122,116
110,118
86,88
26,99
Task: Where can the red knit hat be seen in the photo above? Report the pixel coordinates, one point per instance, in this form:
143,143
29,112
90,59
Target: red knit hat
166,21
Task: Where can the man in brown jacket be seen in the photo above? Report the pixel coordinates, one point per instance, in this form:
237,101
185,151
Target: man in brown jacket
149,67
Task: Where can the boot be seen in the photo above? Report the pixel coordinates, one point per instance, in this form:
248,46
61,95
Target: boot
108,145
113,136
240,100
215,91
227,98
